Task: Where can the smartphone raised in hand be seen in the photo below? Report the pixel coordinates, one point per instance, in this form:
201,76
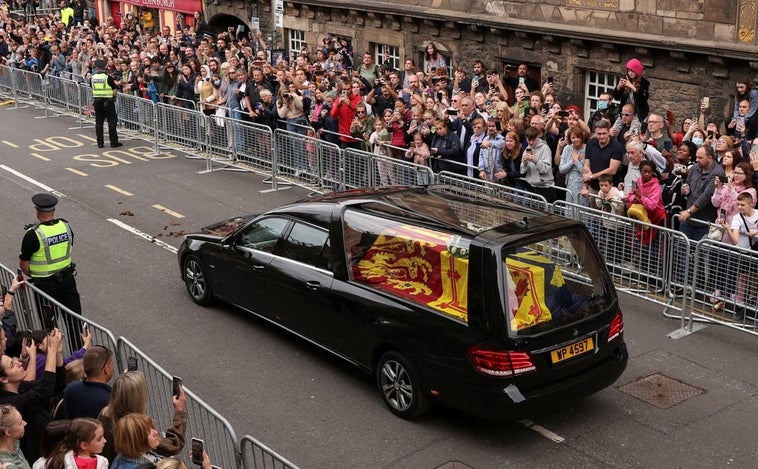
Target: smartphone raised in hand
197,451
131,364
177,384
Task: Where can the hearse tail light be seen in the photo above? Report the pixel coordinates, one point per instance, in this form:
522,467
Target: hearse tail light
500,363
617,326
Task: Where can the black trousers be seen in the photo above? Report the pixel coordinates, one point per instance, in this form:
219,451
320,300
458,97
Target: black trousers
105,109
62,288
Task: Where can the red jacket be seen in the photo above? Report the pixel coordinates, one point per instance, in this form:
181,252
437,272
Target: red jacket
344,114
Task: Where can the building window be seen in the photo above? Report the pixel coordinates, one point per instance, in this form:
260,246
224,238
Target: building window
295,41
597,83
387,53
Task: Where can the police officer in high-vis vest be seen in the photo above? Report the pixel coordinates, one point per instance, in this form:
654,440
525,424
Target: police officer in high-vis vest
104,92
46,258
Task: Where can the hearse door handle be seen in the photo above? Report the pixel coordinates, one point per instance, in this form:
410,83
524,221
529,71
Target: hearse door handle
258,268
312,285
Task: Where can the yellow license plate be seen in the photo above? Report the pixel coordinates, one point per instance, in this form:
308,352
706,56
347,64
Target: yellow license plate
570,351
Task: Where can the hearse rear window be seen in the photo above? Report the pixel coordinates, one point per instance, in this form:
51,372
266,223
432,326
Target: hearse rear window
425,266
553,282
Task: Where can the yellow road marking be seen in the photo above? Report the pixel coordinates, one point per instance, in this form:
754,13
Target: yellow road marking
119,190
12,145
37,155
87,137
76,171
170,212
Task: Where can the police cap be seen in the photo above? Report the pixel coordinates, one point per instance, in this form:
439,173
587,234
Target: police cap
100,63
45,202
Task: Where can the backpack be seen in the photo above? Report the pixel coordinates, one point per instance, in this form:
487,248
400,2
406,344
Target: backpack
307,106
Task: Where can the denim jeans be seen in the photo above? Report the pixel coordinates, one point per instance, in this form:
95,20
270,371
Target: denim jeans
694,232
299,159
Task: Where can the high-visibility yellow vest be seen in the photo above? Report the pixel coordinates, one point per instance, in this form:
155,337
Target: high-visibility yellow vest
54,253
100,86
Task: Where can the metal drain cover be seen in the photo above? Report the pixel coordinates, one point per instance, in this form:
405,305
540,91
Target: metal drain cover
454,465
660,390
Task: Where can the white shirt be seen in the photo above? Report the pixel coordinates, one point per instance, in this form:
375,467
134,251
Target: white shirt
738,224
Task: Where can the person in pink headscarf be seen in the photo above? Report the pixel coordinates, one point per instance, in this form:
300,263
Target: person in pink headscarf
633,88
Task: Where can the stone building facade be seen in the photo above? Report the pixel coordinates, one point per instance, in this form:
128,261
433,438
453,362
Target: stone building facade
690,48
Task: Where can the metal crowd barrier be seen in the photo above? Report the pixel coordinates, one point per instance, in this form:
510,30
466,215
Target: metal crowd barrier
363,168
136,115
517,196
642,258
724,285
308,161
202,421
29,87
257,151
35,310
65,95
179,127
7,90
256,455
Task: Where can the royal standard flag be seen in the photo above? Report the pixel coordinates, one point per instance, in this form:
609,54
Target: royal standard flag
417,264
533,278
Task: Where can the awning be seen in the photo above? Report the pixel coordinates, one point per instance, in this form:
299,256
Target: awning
186,6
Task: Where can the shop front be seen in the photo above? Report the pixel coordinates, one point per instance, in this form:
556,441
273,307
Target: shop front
152,15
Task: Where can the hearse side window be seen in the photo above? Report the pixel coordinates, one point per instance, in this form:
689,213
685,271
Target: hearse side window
553,283
263,234
306,244
422,265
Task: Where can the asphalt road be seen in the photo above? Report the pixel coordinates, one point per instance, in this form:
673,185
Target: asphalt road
303,403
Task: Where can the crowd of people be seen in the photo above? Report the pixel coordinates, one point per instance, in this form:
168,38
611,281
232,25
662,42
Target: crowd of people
61,412
501,126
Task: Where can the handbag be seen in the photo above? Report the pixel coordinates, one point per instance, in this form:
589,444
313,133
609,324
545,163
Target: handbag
220,114
753,243
715,232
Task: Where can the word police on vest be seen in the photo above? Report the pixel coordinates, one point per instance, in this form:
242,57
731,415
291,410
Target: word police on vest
61,238
45,202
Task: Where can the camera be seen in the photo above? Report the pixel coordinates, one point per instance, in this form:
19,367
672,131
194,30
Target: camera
511,68
452,112
563,113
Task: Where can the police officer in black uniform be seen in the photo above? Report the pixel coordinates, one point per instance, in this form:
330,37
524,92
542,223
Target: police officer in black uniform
103,93
46,258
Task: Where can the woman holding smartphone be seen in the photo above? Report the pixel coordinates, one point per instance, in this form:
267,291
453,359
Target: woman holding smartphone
129,396
633,88
726,191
